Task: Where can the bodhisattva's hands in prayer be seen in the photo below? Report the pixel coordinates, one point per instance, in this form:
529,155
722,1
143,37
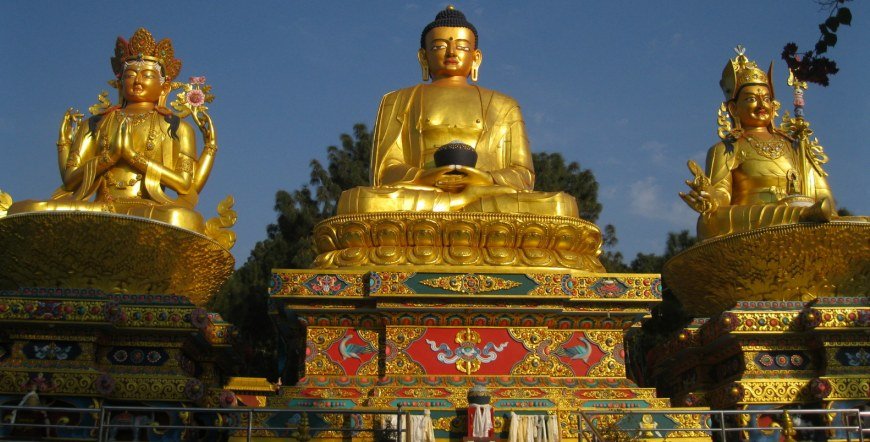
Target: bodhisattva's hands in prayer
699,197
125,147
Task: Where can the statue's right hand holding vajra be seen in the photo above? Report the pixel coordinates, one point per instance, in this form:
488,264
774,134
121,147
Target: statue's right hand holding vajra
699,197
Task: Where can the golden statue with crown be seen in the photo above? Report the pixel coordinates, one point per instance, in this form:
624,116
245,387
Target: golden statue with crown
768,222
121,165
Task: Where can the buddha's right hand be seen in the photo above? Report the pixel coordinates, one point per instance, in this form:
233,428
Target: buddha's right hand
431,177
699,197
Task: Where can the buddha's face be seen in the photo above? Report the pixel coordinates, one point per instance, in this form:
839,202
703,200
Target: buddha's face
753,106
450,52
140,82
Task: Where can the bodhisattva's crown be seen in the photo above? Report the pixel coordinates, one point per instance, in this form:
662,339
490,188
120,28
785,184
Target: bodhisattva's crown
741,71
142,46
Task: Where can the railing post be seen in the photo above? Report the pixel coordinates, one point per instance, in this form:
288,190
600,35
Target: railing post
100,424
722,426
250,423
399,436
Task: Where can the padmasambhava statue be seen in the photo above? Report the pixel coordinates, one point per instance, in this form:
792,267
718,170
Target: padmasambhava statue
126,156
452,177
413,123
757,176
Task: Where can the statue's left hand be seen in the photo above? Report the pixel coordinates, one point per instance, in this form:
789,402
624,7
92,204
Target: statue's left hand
466,176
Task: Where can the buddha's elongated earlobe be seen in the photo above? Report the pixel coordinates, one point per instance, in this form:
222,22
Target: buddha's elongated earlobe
424,64
474,74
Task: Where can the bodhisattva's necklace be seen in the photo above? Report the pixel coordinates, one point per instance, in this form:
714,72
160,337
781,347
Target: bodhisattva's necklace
136,120
772,148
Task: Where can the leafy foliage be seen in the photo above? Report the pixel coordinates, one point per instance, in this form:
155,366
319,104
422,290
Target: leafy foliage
289,244
811,65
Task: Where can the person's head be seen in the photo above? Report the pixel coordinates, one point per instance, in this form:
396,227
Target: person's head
143,81
448,47
753,106
748,92
144,68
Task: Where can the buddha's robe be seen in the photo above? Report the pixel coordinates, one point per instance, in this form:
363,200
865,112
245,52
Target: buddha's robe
413,122
749,187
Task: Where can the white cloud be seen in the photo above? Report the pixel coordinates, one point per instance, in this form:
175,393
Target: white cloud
656,151
648,202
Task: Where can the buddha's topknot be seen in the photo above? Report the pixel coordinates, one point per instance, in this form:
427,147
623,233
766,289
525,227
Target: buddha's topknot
450,17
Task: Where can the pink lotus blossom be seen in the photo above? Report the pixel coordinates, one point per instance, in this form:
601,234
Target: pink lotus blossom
197,80
195,98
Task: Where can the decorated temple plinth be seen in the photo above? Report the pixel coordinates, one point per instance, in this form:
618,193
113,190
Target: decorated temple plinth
543,341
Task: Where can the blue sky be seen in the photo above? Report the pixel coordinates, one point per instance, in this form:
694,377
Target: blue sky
627,89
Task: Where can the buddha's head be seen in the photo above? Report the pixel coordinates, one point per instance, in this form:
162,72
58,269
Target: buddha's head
748,92
144,68
448,47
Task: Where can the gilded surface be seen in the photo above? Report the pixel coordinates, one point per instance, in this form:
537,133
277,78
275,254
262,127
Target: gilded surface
798,262
603,286
843,388
610,341
758,176
126,156
470,283
114,253
457,239
314,283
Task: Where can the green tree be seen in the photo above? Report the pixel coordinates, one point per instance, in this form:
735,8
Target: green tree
289,244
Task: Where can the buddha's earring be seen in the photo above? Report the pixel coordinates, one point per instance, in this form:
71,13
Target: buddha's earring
474,74
425,68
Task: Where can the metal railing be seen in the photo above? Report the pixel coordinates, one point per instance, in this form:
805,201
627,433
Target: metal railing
725,425
23,422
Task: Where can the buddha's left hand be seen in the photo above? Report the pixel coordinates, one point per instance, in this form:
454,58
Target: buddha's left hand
466,176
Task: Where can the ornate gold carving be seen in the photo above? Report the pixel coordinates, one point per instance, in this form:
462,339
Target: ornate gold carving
607,340
135,255
391,238
402,364
793,262
218,228
470,283
404,336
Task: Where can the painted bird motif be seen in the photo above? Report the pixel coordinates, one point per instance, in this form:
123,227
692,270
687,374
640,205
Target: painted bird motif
348,350
581,351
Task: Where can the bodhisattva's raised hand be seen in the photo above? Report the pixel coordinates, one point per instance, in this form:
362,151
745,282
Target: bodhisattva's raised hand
70,121
699,197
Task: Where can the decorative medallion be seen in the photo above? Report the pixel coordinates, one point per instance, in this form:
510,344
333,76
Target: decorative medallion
467,356
470,283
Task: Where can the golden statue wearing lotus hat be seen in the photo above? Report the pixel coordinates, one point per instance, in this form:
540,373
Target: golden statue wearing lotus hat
758,175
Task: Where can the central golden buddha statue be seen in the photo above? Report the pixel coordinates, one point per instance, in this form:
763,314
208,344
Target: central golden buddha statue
413,123
452,178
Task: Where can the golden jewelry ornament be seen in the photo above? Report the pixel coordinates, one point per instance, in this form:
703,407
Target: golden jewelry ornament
773,148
